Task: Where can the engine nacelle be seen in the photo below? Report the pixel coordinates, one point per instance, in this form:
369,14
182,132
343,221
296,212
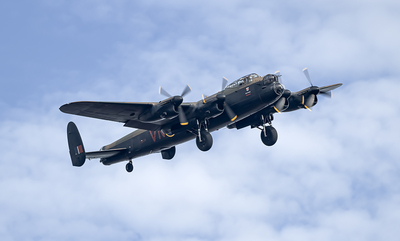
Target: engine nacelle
166,112
165,109
210,107
209,110
282,103
300,101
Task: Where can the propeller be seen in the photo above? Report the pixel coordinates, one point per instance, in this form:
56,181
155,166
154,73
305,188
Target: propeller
305,71
224,83
311,98
182,116
278,73
280,104
229,112
324,91
221,101
204,98
184,92
327,94
181,113
221,97
163,92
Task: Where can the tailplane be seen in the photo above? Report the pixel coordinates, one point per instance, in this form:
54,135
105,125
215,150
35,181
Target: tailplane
75,144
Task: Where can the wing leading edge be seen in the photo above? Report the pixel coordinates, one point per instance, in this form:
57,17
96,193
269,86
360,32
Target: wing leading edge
112,111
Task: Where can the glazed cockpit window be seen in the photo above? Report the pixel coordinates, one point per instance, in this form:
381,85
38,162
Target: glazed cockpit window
244,80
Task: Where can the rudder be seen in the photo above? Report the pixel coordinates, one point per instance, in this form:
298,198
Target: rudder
75,144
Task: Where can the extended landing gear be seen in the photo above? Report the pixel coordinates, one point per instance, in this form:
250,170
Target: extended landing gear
129,166
269,135
204,141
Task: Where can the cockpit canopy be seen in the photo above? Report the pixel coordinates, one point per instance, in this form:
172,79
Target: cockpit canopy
244,80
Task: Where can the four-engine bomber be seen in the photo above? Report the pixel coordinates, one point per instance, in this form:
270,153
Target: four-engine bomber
249,101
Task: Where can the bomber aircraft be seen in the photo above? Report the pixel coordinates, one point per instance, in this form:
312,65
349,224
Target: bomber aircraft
249,101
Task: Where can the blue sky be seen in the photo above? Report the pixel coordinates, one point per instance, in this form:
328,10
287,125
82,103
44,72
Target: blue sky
332,175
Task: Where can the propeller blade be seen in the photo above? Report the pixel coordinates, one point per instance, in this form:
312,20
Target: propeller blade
229,112
280,104
161,91
186,90
224,83
204,98
309,101
278,73
182,117
305,71
326,94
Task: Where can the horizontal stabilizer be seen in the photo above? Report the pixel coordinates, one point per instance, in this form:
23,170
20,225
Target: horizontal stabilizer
75,144
104,154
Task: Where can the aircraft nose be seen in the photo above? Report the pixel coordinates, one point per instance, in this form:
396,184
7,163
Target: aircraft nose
279,88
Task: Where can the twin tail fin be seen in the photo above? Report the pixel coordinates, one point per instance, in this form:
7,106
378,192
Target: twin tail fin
75,144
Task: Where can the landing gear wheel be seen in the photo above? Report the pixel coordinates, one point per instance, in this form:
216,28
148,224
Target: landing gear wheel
271,136
129,167
206,141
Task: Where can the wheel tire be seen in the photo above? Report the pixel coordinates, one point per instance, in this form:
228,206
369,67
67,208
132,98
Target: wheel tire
129,167
272,136
206,141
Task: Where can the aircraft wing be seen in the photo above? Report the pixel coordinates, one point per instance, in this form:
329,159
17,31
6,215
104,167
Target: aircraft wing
329,88
125,112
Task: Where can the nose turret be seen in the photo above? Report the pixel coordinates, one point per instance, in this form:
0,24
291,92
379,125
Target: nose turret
279,88
272,90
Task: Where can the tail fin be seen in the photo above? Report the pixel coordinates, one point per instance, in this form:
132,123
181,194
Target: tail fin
75,144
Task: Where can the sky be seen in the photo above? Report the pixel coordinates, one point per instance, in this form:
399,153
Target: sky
334,173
